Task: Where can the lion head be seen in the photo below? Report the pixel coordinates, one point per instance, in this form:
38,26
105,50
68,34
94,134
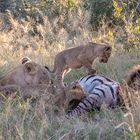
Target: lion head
73,95
133,78
28,73
69,97
106,53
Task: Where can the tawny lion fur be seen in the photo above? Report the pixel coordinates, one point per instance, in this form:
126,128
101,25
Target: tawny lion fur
62,100
27,74
77,57
133,79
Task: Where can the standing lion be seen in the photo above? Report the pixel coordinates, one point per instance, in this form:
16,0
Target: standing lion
77,57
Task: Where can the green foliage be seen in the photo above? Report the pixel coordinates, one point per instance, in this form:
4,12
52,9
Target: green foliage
127,12
71,3
100,9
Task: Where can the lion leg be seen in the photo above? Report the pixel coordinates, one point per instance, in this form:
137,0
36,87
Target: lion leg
60,76
59,84
88,67
66,71
87,64
59,79
92,71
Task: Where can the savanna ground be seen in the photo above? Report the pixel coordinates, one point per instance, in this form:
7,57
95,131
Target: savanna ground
27,121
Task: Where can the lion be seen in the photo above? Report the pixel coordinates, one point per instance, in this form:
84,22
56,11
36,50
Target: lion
69,98
133,79
77,57
27,74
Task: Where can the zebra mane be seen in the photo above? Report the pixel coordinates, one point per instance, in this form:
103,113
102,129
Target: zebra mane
133,75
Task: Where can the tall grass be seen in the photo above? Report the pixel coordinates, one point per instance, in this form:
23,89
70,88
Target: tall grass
25,120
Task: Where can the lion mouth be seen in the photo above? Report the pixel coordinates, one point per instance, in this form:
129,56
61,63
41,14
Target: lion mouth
103,61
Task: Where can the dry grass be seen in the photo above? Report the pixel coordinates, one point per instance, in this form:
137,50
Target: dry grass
27,121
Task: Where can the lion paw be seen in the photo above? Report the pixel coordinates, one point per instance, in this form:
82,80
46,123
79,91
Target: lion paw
93,71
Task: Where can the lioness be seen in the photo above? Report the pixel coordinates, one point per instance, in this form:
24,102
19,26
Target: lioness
77,57
133,79
27,74
62,100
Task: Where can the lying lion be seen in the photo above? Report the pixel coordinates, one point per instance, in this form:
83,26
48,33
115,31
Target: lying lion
26,75
81,56
133,79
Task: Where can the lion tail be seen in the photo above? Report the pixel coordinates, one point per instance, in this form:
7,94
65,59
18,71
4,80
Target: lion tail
51,71
54,69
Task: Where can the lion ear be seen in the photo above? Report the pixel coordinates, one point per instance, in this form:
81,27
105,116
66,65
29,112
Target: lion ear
30,68
75,86
70,87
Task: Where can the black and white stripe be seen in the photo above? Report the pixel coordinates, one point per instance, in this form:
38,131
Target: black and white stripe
98,90
25,60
